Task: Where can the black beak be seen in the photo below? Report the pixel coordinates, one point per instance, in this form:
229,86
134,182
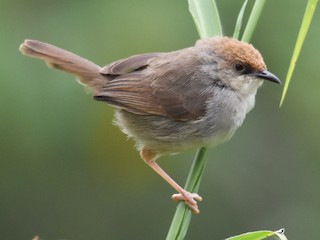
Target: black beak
266,75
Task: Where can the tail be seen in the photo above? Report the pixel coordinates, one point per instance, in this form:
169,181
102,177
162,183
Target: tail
87,72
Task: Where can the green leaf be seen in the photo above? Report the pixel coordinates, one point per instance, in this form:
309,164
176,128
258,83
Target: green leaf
311,6
239,21
253,20
206,17
259,235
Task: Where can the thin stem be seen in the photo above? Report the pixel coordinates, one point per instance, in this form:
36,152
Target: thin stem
237,28
206,18
253,20
183,214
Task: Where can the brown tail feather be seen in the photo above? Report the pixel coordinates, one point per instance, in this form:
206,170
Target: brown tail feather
86,71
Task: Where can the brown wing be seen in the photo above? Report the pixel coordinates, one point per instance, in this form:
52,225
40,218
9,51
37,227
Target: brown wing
128,65
159,84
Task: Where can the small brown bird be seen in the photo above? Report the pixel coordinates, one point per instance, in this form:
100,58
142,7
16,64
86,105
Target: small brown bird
170,102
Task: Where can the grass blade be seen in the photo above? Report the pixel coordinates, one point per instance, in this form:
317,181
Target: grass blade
253,20
182,217
206,17
239,21
311,6
259,235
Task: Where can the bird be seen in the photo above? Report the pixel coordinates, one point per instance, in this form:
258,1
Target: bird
169,102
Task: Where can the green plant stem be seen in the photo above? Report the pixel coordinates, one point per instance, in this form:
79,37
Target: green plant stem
183,214
237,28
253,20
206,18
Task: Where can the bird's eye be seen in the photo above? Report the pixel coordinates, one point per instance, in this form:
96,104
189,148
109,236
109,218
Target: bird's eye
239,67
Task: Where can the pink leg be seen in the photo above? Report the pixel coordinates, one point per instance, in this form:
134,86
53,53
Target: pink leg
189,198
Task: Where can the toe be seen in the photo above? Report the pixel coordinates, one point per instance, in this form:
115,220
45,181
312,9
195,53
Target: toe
194,208
177,197
197,197
190,200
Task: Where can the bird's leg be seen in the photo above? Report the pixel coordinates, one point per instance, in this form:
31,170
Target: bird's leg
190,199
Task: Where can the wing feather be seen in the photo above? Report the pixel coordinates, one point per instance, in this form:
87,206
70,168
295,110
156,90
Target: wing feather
158,84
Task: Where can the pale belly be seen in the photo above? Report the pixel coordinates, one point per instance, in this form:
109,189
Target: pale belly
166,136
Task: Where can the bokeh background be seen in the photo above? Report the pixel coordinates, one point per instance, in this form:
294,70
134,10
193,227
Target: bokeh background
66,172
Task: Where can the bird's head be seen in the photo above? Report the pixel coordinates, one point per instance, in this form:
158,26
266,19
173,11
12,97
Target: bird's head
237,65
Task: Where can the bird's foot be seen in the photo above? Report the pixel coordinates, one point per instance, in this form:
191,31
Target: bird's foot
190,200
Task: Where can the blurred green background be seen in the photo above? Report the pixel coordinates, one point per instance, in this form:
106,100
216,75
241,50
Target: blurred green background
66,172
